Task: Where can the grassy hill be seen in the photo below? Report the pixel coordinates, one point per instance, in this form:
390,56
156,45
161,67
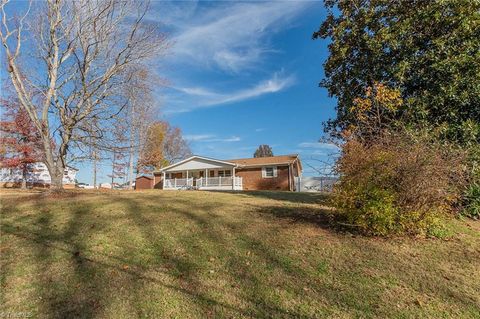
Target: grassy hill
195,254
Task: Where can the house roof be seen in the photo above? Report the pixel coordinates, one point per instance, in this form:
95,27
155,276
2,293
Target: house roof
271,160
244,162
194,157
144,176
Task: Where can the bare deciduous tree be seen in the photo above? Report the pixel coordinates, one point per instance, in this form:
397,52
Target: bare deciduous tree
83,49
140,112
175,148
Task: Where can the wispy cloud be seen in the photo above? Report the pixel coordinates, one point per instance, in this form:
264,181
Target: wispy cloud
229,44
317,149
272,85
198,137
260,129
318,145
211,138
197,97
228,139
234,36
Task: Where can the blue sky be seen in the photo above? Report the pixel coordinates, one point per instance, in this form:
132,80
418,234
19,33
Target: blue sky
241,74
244,74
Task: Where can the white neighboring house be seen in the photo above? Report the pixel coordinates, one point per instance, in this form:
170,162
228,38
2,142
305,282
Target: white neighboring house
38,175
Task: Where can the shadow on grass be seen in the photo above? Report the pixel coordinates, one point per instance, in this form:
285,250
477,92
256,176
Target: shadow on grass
293,197
75,289
75,279
188,269
317,216
66,303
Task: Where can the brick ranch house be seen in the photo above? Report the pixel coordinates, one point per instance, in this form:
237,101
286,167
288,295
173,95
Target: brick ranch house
199,172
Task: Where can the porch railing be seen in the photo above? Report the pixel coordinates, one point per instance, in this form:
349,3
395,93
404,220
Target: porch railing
230,182
178,183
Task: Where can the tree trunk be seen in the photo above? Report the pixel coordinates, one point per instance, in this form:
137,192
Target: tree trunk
132,146
24,175
130,161
56,176
130,171
94,169
56,181
113,167
56,172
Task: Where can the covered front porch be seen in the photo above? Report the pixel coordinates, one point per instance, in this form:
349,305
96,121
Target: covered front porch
204,183
201,173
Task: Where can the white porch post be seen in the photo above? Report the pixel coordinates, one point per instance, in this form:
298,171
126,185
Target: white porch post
206,177
233,178
164,180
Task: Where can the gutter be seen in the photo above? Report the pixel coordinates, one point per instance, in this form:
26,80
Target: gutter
266,164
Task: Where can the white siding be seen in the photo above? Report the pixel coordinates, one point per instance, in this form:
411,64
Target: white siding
197,163
37,174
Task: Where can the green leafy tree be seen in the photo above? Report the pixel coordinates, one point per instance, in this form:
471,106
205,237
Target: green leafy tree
263,151
428,50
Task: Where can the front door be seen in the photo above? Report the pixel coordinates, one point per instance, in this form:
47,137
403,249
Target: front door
176,175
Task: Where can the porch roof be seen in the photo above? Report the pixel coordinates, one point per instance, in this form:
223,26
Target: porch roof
197,163
269,160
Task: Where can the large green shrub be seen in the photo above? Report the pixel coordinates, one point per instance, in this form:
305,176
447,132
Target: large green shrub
398,183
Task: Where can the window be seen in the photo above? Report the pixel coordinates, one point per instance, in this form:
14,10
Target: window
225,173
269,172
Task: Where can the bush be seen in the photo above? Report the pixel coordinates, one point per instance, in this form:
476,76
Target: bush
398,183
472,201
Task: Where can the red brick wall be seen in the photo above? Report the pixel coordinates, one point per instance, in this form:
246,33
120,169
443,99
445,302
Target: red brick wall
252,179
143,183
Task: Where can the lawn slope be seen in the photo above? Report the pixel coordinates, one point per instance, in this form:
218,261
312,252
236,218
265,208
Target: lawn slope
195,254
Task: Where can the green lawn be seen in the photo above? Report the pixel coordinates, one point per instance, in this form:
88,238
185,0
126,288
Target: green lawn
193,254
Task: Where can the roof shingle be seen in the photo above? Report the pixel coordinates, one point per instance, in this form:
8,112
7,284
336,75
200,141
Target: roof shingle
273,160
